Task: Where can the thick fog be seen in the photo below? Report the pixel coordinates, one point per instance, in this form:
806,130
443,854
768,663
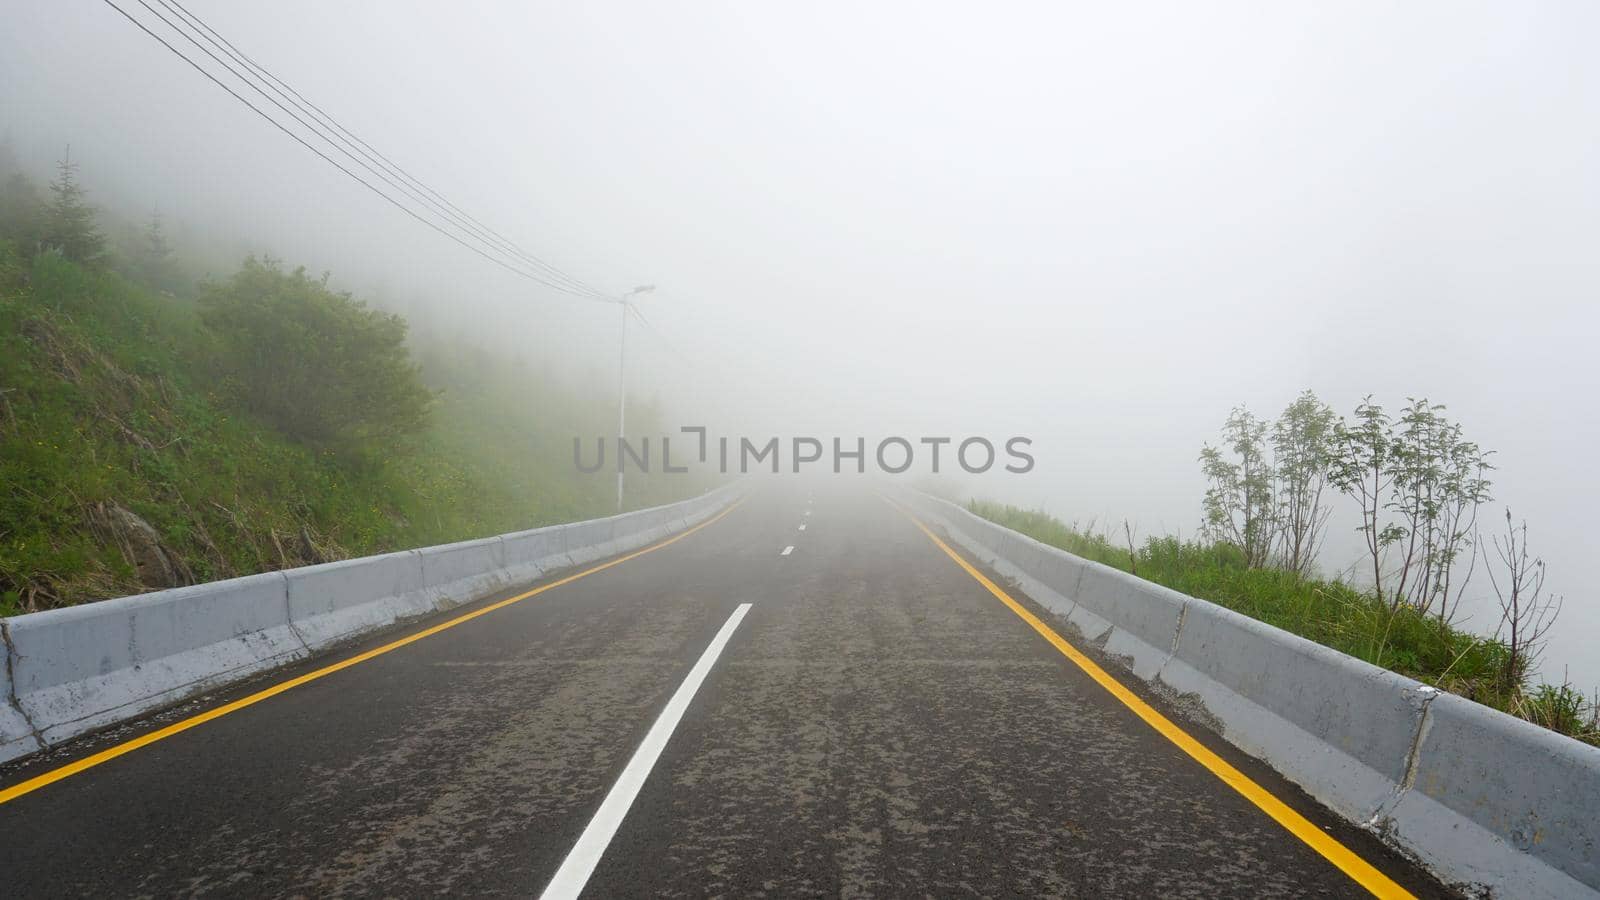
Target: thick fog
1099,226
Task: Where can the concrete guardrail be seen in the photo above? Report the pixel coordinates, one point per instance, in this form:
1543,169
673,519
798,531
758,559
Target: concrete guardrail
73,670
1489,803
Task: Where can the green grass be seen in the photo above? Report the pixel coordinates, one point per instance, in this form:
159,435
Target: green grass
1331,613
109,397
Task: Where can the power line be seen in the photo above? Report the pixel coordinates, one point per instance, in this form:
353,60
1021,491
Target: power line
536,277
672,348
331,161
419,189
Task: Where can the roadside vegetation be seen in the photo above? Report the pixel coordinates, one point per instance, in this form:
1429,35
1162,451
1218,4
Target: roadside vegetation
156,431
1419,486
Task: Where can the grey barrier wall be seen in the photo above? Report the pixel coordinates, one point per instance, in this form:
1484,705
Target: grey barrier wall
1489,803
72,670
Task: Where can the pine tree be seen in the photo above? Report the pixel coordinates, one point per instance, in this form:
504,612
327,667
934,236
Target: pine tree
155,256
70,222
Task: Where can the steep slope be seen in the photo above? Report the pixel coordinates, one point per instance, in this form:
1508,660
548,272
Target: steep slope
125,468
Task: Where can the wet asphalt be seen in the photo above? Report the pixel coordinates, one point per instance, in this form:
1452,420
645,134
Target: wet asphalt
878,725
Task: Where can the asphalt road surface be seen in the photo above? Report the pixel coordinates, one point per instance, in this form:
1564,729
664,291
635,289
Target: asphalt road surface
874,723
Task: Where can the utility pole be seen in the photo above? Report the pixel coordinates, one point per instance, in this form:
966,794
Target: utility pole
622,378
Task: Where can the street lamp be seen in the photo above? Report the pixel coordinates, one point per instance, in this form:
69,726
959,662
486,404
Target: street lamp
622,382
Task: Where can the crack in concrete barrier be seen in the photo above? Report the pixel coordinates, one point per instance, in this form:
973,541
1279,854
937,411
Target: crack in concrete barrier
1172,654
288,611
11,685
1426,696
1423,698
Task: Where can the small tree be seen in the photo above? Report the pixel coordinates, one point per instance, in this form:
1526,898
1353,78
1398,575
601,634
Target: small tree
1361,469
1526,612
1303,449
1466,488
1415,465
1439,480
1239,507
69,222
315,363
156,265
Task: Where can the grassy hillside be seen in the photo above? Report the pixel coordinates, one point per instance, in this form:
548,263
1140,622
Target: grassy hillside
1331,613
111,405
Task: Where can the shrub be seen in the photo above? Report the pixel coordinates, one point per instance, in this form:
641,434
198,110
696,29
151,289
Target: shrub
314,363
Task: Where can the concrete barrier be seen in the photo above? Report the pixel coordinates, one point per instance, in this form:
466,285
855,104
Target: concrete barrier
338,600
70,671
453,574
630,530
652,525
1494,800
530,554
658,523
1487,801
589,541
1144,617
84,667
17,737
1339,727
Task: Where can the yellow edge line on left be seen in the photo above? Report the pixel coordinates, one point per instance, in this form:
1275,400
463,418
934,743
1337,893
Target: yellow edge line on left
110,753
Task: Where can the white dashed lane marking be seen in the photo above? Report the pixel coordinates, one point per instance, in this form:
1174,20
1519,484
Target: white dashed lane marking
579,865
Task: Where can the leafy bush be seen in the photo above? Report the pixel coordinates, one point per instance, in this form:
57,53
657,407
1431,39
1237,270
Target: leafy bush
314,363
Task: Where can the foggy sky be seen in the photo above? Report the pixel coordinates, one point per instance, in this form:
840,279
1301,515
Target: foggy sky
1099,227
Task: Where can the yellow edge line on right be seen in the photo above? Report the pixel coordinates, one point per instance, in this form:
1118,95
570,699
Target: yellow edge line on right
1361,871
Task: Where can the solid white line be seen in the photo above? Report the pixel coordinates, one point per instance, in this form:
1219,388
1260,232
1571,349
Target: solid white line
585,855
787,550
